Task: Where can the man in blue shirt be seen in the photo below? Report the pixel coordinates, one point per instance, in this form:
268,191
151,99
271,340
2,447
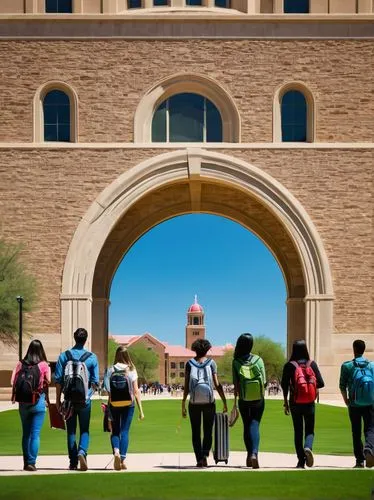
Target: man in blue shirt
358,412
78,454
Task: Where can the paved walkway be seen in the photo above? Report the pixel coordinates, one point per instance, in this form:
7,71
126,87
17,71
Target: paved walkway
171,462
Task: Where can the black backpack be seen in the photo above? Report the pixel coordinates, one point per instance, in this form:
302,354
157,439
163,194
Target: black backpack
26,387
121,388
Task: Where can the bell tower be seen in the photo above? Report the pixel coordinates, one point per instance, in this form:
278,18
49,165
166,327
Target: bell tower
195,328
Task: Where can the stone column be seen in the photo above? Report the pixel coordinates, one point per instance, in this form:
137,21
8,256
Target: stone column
77,6
100,308
31,6
319,6
109,6
295,321
319,330
278,7
76,312
364,6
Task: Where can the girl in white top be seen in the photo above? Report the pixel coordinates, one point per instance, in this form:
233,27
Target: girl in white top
121,382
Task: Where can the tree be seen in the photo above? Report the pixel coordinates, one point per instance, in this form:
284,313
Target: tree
273,355
145,360
224,367
14,281
112,347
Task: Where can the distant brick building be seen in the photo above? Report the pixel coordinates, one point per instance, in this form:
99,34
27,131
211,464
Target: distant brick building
173,358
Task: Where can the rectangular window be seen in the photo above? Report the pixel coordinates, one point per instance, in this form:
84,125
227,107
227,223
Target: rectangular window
134,4
172,375
58,6
186,116
181,365
160,3
181,374
296,6
223,4
193,2
172,365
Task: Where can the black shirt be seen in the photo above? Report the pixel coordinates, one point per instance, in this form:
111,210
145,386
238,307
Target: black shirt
288,377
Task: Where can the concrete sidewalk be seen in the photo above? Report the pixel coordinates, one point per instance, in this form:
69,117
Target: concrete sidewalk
170,462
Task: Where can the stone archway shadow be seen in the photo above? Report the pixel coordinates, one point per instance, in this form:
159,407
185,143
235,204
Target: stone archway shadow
187,181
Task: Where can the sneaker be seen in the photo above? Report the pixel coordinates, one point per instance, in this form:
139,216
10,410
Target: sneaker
369,458
309,459
254,460
73,467
30,468
82,462
359,465
248,462
117,461
123,465
300,465
200,463
205,462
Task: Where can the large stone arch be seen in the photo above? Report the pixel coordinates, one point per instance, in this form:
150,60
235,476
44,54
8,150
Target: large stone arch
197,180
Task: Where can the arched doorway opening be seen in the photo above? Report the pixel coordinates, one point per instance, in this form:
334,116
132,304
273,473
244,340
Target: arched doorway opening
197,181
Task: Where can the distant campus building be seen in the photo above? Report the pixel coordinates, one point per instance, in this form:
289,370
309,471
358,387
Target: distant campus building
117,115
173,358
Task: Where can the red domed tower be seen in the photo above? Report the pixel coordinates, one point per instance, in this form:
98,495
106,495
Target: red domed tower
195,328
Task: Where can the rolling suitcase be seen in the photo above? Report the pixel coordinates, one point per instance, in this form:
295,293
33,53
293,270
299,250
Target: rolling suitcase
221,438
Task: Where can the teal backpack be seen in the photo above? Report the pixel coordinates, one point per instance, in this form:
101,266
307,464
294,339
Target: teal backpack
250,378
363,383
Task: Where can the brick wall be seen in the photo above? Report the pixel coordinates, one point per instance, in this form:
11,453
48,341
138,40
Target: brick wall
110,76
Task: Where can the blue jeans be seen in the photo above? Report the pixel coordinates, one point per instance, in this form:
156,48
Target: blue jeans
251,413
32,418
83,416
121,421
303,416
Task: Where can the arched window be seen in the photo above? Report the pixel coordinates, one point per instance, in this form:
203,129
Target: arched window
56,116
296,6
58,6
196,320
187,117
294,117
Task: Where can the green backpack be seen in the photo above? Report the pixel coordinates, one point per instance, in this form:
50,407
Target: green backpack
250,379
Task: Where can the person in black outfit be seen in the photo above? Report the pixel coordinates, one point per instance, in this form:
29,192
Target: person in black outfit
303,414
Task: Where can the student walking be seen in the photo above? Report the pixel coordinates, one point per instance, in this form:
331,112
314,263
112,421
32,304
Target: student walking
199,382
357,376
301,380
121,383
77,377
249,380
30,380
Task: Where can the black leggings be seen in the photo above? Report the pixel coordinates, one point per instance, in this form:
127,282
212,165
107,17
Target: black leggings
208,412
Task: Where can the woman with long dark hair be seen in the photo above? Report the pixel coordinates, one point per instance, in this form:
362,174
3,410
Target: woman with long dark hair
200,380
121,382
30,379
249,386
301,380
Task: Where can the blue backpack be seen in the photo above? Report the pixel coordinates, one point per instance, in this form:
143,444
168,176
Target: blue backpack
363,383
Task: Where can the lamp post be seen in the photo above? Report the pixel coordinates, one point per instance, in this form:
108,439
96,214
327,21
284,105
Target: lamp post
20,304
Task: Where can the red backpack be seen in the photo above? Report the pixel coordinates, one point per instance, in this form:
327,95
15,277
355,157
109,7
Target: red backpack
305,383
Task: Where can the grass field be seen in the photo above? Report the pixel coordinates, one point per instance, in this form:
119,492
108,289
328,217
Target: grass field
163,430
305,485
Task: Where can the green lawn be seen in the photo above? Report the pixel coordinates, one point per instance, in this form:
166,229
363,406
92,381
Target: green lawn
163,430
296,485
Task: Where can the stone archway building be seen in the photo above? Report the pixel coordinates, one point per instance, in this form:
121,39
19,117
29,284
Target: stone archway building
79,206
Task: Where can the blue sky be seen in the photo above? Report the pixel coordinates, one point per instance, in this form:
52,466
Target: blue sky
236,278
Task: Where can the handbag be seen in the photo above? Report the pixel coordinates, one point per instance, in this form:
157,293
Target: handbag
234,415
107,421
